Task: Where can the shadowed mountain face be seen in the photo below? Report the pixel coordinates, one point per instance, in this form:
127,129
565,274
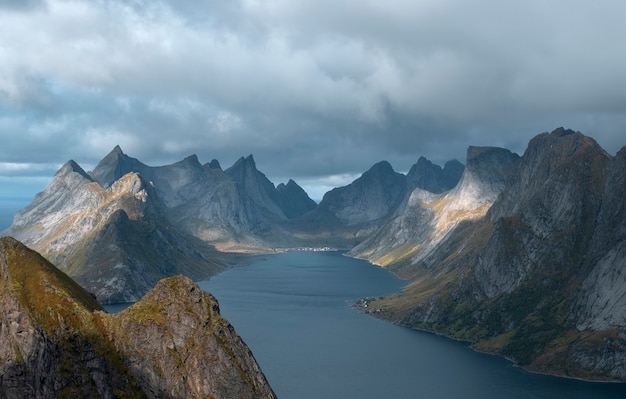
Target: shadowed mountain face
56,340
371,197
430,177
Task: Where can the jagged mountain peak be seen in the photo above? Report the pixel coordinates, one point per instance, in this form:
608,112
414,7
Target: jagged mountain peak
382,167
290,184
373,196
560,145
72,167
563,158
247,162
192,159
293,200
214,164
431,177
115,165
243,167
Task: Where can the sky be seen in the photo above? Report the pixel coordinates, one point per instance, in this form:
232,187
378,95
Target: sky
316,90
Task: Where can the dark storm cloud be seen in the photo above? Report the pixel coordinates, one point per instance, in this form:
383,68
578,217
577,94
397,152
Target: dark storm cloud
316,90
21,5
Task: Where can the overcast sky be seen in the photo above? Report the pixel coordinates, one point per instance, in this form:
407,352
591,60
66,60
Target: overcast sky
317,90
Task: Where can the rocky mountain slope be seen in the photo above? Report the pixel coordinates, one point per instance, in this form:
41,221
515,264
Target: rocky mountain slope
430,177
427,218
348,215
56,341
120,228
540,277
237,206
114,241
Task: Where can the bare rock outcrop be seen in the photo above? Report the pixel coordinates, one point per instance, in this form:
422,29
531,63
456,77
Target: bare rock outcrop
56,341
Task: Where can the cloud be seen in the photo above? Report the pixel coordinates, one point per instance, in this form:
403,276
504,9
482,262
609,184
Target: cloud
311,88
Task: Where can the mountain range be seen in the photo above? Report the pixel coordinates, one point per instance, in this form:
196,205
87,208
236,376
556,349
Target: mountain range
538,274
524,256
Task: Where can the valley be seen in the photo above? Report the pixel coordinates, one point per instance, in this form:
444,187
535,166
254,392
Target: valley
523,255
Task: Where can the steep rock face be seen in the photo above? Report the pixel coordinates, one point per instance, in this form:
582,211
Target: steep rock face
115,165
236,205
361,212
547,216
373,196
428,218
430,177
57,342
177,344
70,189
602,302
258,193
48,328
116,242
293,200
539,277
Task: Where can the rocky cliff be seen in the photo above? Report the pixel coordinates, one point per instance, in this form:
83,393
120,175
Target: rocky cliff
115,241
428,218
238,205
120,228
539,277
56,341
433,178
371,197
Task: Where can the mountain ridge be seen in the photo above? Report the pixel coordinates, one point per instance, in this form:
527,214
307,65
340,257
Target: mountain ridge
59,342
538,277
522,255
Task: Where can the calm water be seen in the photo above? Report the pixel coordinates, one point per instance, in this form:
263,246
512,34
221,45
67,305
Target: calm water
295,312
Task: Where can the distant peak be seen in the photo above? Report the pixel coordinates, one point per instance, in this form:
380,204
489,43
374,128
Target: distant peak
423,161
382,166
422,166
250,160
193,158
117,150
215,164
244,162
290,185
72,166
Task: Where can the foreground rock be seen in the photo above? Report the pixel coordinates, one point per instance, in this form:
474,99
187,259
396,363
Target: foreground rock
56,341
